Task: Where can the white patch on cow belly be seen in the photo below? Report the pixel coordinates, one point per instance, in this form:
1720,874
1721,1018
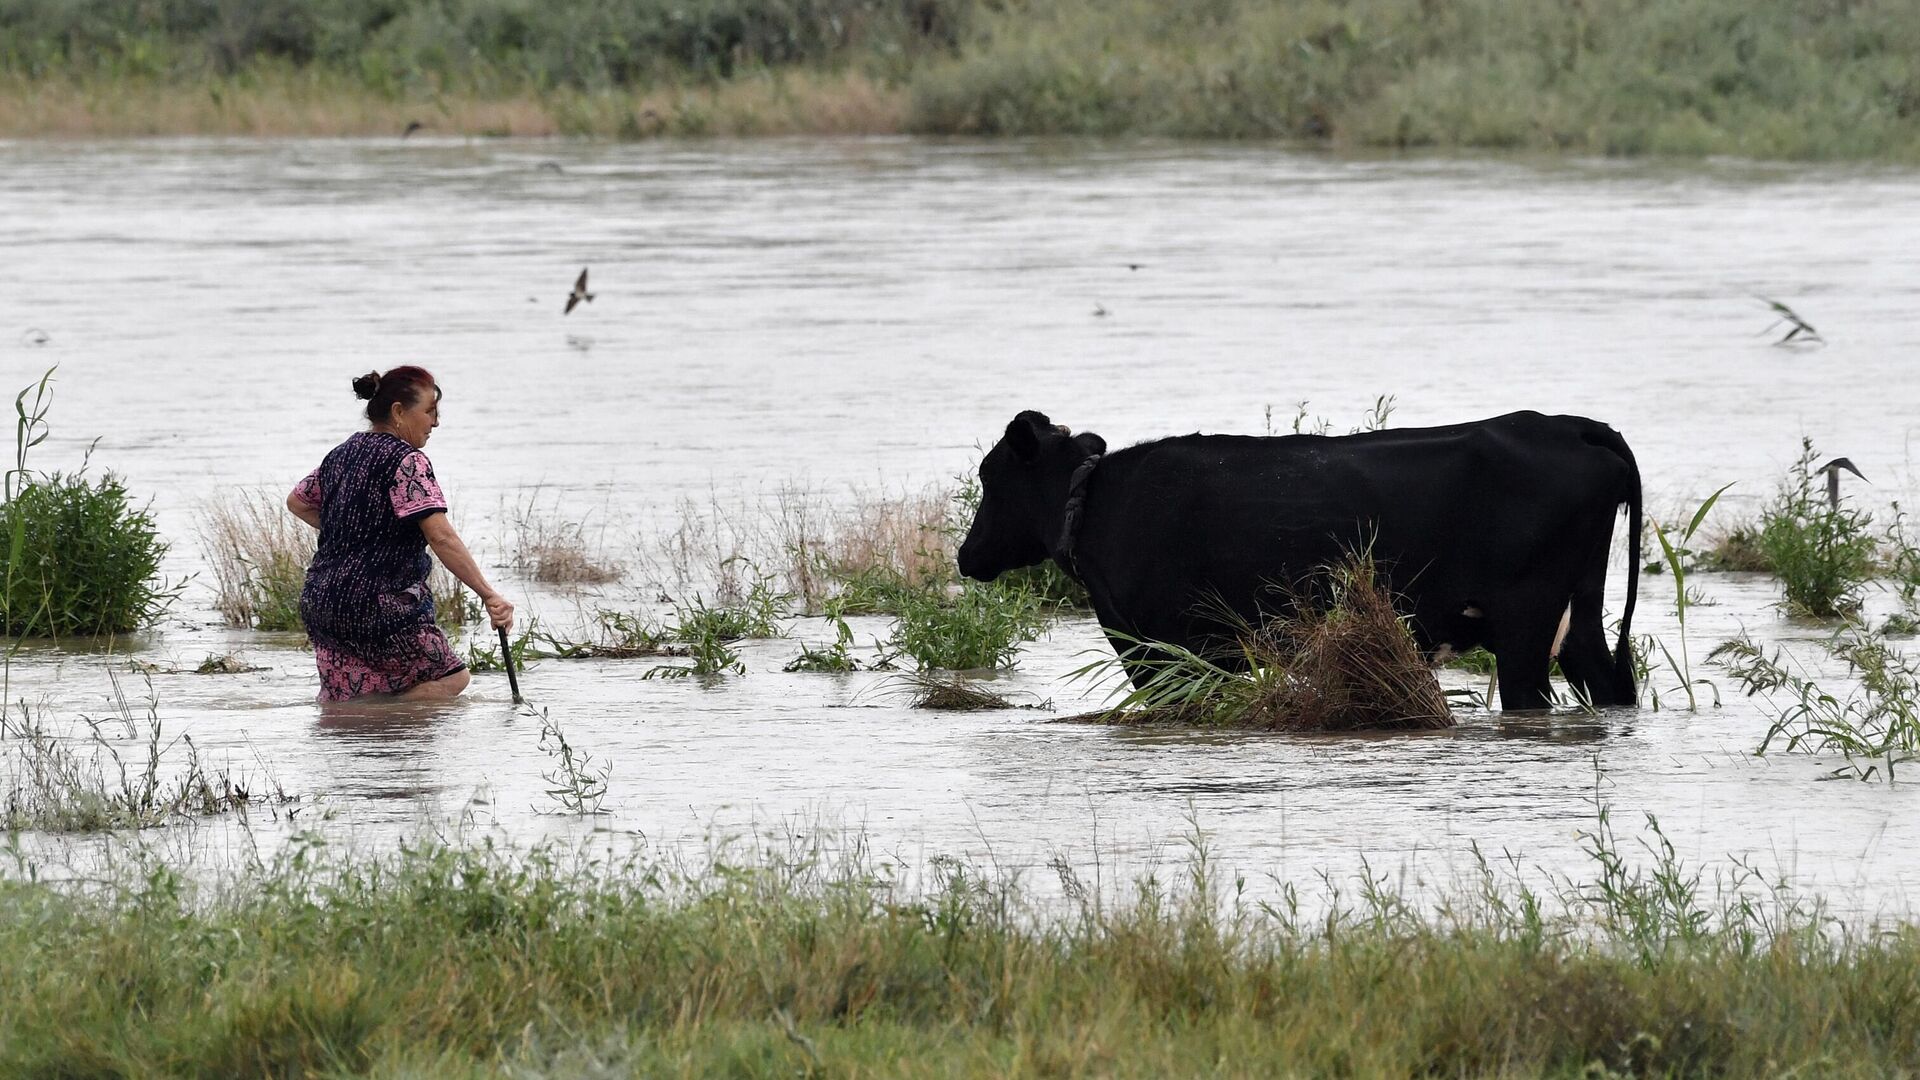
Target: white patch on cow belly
1560,635
1472,612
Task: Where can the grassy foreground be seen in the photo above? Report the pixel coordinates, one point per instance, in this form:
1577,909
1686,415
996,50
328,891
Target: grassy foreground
448,962
1806,79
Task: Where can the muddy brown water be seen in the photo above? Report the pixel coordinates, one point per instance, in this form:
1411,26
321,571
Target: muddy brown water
860,316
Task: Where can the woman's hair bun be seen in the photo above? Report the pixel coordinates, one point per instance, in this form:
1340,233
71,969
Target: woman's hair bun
366,386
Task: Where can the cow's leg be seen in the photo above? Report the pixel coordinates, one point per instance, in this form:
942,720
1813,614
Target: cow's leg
1523,634
1585,659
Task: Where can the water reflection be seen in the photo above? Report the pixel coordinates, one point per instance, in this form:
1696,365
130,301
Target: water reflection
385,749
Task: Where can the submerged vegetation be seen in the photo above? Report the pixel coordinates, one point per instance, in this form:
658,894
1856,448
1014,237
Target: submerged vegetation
73,781
1771,78
807,957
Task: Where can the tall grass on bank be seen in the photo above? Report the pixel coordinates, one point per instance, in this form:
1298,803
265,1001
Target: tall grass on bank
77,556
1758,78
1342,659
794,960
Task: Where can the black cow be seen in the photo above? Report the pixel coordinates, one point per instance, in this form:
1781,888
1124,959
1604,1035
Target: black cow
1492,533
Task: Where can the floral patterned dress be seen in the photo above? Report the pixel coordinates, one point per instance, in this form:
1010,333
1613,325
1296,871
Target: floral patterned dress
366,603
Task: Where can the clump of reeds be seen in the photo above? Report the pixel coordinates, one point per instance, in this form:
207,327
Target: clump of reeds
1875,726
863,554
1341,659
556,551
258,554
1735,548
946,692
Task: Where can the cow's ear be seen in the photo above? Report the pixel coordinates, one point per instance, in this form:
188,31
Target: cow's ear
1023,434
1090,444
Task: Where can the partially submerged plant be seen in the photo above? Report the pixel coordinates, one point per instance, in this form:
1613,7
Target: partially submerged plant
1822,553
556,551
1341,659
1679,560
1799,330
1876,726
947,692
258,553
60,782
836,657
981,627
77,557
575,783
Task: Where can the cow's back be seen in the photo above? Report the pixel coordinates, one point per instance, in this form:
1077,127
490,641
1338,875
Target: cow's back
1177,528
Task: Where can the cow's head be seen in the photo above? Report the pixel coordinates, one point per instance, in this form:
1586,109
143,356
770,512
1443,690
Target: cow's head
1023,493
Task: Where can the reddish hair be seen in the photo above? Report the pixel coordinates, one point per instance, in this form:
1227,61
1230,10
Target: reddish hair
405,383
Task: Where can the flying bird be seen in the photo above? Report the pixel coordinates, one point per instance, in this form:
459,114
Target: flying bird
1832,470
579,293
412,126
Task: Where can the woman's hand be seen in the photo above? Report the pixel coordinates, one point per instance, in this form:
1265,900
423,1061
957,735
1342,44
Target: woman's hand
499,611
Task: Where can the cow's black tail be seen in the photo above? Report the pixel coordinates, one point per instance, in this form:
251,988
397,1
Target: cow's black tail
1623,652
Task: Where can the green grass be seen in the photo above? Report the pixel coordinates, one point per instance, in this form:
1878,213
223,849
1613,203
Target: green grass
784,961
1824,555
78,557
1820,80
983,626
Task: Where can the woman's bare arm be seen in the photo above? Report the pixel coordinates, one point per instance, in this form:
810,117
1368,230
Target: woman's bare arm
304,510
453,554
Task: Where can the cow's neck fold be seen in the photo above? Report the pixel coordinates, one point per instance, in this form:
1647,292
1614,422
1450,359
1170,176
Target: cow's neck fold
1063,551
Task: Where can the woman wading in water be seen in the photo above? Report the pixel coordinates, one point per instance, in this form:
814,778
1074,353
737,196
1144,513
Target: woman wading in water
366,603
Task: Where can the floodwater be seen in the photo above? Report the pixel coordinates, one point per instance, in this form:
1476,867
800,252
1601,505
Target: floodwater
859,316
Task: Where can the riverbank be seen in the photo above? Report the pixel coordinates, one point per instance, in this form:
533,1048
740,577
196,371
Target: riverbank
1774,79
796,957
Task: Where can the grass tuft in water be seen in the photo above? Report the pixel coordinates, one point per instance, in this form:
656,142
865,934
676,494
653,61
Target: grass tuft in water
946,692
982,626
1823,554
1342,660
1875,727
81,782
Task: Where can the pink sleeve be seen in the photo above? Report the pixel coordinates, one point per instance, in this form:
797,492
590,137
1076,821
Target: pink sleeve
415,492
308,490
